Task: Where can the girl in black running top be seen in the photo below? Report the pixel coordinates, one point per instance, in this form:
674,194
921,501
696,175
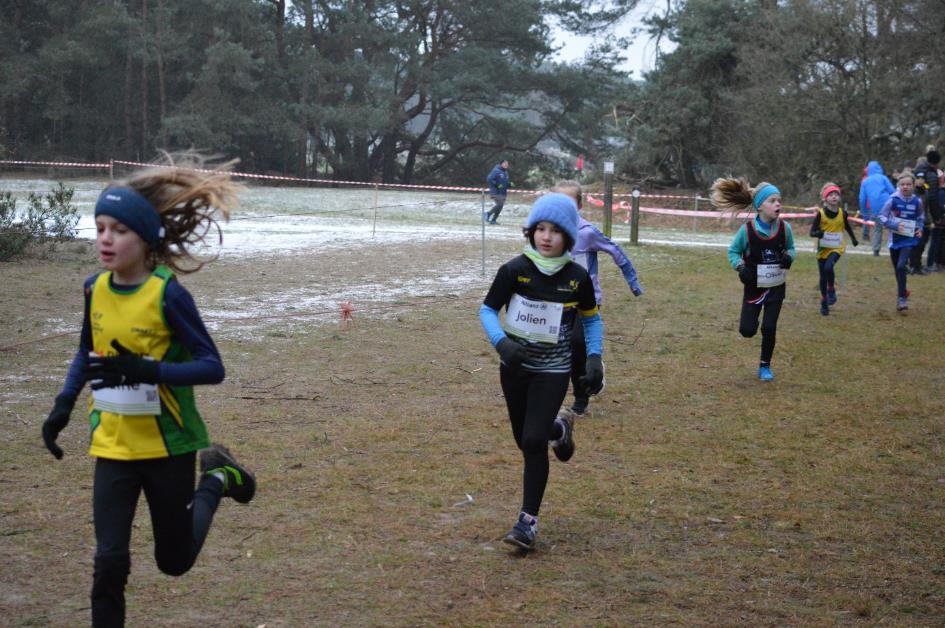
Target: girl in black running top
542,292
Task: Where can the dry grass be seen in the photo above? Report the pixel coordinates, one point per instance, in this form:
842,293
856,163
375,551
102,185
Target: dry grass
697,495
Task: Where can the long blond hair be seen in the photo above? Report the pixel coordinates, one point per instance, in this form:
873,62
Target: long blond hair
571,188
190,197
734,195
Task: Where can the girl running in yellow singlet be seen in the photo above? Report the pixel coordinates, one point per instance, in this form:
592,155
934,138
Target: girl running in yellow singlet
830,222
143,347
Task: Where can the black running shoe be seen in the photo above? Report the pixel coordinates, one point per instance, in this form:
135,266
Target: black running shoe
238,482
564,445
523,533
579,407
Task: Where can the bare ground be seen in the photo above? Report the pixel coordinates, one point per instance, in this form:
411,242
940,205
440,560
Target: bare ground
697,495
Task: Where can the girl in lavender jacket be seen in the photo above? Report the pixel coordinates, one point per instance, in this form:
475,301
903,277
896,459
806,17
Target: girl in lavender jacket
590,241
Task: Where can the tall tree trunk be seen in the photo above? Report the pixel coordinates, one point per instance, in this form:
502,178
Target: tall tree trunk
144,78
129,127
307,79
161,70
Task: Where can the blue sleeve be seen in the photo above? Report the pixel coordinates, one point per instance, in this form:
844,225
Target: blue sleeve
789,241
205,366
601,242
75,378
864,206
490,323
594,334
885,217
738,247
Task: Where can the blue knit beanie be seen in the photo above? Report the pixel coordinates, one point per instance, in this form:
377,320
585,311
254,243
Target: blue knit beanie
134,211
559,209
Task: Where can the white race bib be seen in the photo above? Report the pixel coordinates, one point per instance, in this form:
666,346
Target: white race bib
134,400
770,275
533,320
580,259
906,227
831,240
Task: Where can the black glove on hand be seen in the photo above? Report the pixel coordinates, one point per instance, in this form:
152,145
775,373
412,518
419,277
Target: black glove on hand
747,274
125,368
817,233
55,422
856,242
786,261
593,378
512,353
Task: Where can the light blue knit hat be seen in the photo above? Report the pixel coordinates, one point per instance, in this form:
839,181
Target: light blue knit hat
559,209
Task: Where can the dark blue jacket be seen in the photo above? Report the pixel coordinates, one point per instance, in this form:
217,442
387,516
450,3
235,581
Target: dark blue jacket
498,181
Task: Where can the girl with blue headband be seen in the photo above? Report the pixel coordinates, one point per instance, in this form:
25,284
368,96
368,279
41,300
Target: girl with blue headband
143,346
543,292
761,253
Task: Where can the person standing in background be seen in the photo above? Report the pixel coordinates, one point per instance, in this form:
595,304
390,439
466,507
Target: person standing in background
875,189
498,181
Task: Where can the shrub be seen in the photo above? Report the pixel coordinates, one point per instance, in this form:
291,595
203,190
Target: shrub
48,218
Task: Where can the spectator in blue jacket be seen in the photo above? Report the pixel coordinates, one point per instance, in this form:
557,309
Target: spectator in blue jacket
589,242
498,181
874,192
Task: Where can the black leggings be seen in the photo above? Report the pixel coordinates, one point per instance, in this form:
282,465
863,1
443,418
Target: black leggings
748,325
533,400
578,359
827,277
179,527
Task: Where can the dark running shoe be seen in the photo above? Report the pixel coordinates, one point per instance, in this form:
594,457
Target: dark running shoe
238,482
523,533
824,308
579,407
564,445
831,297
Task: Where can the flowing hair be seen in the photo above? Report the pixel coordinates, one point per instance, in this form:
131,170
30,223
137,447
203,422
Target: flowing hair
734,196
190,198
571,188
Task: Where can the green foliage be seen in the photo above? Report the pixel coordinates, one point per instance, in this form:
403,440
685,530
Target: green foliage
50,217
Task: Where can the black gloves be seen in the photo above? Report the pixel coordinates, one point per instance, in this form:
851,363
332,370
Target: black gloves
512,353
747,274
125,368
55,422
593,378
817,233
786,261
856,242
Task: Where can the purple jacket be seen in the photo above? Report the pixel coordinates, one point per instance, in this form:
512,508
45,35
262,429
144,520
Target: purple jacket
589,242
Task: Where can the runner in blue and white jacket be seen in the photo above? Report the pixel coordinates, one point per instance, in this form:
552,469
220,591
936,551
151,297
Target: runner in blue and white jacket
590,241
904,217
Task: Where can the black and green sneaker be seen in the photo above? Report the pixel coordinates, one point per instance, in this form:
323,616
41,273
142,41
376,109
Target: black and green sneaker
238,482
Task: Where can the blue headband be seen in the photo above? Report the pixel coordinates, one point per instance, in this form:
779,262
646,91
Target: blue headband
764,193
132,210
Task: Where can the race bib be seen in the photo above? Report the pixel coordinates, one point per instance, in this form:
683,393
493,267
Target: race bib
580,259
533,320
134,400
906,228
770,275
831,240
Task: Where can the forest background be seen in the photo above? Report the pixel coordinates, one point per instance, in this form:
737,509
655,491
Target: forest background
436,91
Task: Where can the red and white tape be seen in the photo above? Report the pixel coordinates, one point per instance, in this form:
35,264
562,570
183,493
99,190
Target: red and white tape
68,164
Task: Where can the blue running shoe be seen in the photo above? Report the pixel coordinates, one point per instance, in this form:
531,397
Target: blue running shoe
824,308
765,374
831,297
523,533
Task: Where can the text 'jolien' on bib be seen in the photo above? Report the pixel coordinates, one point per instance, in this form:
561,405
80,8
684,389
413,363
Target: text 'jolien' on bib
539,321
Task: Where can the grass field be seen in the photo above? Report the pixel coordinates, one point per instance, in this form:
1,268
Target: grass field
697,496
